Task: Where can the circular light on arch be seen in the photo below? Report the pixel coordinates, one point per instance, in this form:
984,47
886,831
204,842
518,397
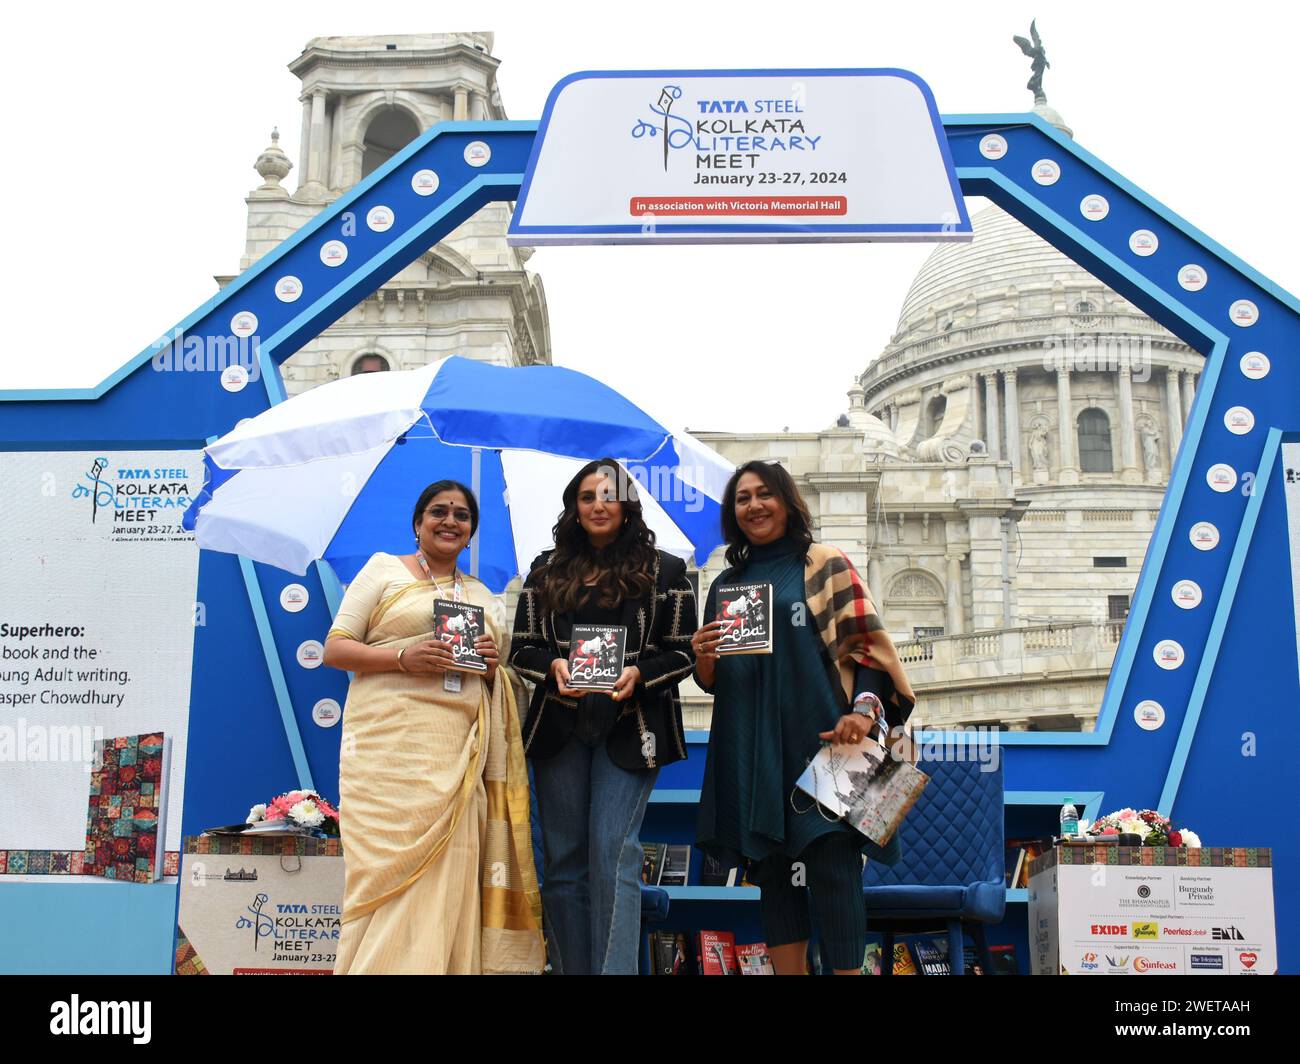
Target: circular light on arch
994,146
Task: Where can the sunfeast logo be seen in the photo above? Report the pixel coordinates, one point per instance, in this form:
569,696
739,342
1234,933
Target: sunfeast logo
132,1018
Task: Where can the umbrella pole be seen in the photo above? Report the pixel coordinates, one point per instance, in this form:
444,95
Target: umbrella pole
475,481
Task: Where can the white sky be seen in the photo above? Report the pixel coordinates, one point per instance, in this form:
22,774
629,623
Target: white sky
132,132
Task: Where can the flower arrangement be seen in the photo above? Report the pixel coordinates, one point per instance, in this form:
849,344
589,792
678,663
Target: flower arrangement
1154,829
305,809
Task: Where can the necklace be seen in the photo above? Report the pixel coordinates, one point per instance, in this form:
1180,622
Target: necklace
455,576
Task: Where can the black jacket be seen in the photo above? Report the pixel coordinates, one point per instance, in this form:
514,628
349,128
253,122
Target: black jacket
648,732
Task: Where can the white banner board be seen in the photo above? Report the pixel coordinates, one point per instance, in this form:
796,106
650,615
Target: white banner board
1291,481
720,156
262,913
98,583
1106,919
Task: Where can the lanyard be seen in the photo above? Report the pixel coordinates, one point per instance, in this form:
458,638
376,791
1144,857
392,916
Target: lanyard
455,576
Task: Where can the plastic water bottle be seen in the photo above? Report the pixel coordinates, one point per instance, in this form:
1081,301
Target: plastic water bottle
1069,820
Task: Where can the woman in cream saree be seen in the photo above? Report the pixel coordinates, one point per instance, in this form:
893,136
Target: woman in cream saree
439,874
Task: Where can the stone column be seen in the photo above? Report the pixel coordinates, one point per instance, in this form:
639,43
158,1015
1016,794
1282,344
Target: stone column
955,619
1173,413
993,430
333,175
461,110
304,142
874,586
985,572
1013,422
1130,472
317,158
1189,393
1069,473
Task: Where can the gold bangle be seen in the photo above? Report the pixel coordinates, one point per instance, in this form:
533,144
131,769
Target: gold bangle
399,659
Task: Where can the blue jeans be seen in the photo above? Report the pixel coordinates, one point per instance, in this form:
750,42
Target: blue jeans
591,812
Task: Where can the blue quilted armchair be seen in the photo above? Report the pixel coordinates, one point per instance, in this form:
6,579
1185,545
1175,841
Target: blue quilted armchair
953,870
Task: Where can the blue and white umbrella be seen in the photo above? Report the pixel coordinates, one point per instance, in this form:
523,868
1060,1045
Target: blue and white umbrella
334,473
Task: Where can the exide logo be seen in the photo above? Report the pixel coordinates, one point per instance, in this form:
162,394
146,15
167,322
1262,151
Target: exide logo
1110,929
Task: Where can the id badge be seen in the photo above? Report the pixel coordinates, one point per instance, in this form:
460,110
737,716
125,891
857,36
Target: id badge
451,681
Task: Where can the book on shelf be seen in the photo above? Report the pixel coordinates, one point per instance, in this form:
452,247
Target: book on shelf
653,862
717,952
713,873
932,956
903,960
1015,864
670,953
871,961
459,624
745,611
1028,850
1004,960
676,865
596,656
126,811
754,959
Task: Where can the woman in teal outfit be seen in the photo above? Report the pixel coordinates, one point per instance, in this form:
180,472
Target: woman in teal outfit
771,713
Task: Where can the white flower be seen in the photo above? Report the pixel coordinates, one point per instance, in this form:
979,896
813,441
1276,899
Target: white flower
258,812
1190,838
1135,827
307,814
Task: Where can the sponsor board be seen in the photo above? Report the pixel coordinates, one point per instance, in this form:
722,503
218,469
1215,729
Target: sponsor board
1152,920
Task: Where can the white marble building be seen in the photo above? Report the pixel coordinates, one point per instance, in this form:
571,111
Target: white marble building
997,476
364,98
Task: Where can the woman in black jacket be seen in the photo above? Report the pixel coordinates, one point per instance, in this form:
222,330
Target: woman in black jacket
595,756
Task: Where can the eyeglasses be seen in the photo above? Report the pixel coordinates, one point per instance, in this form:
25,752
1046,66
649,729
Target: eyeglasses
439,513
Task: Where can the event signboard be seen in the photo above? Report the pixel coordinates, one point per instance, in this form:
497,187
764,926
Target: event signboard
680,156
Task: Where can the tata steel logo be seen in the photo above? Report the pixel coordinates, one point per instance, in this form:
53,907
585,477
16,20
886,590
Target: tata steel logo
1146,930
1110,929
1141,965
1089,962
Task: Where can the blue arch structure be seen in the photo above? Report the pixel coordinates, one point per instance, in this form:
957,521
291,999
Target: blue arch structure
1219,764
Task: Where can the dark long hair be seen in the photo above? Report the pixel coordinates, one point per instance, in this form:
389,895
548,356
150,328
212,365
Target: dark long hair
436,488
798,520
625,567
